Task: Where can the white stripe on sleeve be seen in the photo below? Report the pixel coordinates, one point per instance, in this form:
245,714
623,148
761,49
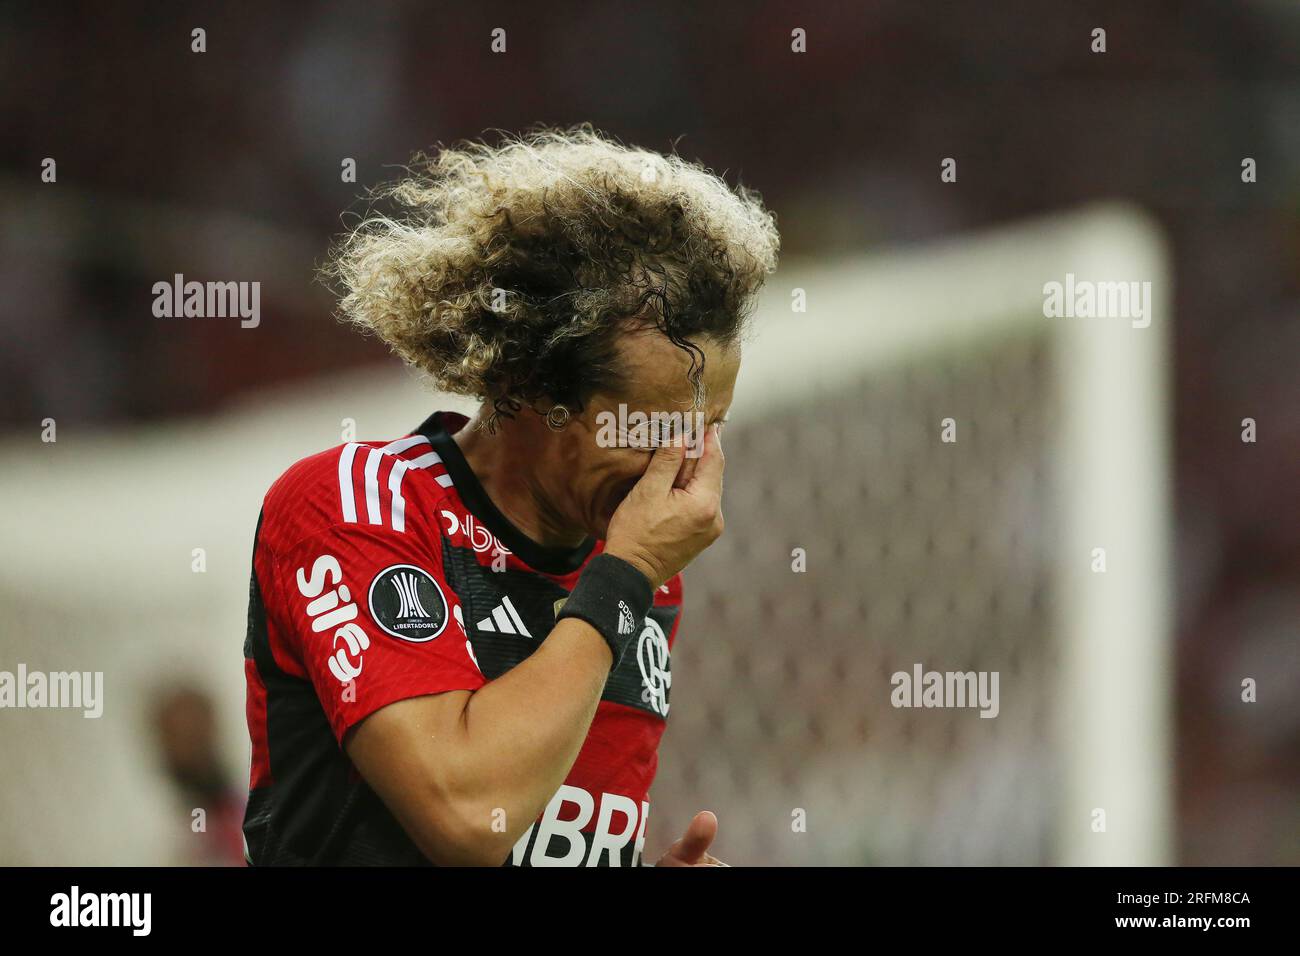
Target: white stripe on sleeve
410,441
395,489
424,461
347,492
372,486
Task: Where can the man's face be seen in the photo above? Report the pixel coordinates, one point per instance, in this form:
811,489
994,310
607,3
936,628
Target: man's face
605,450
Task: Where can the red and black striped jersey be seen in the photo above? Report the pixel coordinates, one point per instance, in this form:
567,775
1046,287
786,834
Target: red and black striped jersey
382,571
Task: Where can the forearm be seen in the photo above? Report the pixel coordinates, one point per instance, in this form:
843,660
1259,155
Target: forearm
521,733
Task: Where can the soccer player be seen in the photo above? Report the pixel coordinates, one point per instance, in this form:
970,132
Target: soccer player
459,640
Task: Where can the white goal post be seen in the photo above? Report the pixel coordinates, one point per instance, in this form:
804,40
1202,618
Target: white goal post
1109,691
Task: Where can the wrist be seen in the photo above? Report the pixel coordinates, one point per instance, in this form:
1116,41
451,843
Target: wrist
630,556
613,596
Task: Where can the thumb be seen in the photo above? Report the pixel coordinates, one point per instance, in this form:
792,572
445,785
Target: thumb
698,838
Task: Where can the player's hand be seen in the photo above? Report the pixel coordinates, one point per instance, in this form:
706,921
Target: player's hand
692,849
664,522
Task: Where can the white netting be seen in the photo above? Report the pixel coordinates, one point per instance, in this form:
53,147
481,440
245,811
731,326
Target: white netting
918,551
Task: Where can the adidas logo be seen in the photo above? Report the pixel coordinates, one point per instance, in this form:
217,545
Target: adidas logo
626,625
504,620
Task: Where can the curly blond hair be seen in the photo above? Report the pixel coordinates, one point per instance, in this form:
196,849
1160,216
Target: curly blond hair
510,271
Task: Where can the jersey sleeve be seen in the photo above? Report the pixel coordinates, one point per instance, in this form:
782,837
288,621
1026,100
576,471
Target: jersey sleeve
372,619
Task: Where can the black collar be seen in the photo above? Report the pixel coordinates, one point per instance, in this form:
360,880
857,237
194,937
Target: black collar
438,428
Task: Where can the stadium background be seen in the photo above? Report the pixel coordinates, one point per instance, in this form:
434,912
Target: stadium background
225,165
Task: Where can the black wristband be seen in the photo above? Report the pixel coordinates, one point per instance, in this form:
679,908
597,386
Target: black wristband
614,598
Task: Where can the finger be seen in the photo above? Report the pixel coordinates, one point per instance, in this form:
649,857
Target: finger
662,471
694,844
708,468
689,464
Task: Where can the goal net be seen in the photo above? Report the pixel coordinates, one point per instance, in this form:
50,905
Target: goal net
947,460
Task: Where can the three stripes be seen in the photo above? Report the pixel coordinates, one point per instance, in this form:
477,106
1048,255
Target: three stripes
375,457
507,620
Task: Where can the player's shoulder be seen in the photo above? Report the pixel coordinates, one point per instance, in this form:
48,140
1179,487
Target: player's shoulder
369,483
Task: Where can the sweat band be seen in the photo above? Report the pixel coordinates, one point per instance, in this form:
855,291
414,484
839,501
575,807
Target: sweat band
614,598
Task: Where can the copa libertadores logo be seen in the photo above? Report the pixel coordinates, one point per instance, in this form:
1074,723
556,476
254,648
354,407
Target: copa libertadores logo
407,603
